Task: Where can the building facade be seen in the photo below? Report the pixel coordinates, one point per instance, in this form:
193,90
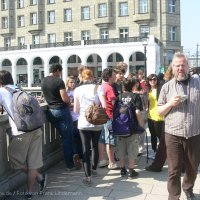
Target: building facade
96,33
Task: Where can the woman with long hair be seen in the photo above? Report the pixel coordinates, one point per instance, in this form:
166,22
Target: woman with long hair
155,121
84,96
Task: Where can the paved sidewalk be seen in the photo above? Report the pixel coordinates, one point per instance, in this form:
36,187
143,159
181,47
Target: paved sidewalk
108,185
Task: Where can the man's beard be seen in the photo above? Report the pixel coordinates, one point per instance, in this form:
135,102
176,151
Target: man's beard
182,78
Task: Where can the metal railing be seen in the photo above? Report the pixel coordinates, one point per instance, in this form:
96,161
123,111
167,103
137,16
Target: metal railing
77,43
52,153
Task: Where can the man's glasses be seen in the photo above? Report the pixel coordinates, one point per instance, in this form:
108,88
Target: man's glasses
153,79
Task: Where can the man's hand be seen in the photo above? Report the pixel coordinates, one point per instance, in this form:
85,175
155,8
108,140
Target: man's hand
175,101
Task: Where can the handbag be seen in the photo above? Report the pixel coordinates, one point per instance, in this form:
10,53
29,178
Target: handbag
95,114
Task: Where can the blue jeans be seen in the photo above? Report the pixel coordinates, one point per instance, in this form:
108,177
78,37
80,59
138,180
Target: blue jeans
61,119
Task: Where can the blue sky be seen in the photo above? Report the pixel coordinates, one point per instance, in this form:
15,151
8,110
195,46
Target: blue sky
190,25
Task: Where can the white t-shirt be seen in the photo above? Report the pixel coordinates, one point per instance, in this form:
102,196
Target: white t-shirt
86,97
6,101
73,114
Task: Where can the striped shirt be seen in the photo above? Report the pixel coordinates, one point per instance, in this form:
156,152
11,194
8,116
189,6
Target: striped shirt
184,119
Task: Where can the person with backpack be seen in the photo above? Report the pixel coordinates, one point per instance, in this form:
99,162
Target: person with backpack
131,106
84,96
58,101
25,148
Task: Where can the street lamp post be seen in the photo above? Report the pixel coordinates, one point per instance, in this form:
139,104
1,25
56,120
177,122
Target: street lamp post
197,55
145,40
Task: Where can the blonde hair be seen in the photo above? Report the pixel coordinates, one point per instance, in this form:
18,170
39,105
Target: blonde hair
86,74
169,73
67,82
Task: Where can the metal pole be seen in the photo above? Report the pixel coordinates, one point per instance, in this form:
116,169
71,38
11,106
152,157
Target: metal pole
197,55
145,61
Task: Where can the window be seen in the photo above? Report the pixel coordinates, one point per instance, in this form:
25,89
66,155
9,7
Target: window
21,21
4,5
52,38
123,9
51,1
51,17
144,29
21,41
36,39
68,15
172,33
33,2
123,33
171,6
104,33
7,42
33,18
4,22
85,35
102,10
68,36
85,13
143,6
20,3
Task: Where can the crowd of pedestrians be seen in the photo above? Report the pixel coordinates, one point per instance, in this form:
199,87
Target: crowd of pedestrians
156,106
167,104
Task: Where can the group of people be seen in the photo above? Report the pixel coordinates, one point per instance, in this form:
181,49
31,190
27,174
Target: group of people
171,108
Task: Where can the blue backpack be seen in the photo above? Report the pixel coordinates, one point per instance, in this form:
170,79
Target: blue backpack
125,122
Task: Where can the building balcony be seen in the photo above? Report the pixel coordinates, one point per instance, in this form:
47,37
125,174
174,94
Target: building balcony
103,22
144,17
35,29
7,32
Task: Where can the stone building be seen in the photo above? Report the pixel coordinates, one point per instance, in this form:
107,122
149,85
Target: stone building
97,33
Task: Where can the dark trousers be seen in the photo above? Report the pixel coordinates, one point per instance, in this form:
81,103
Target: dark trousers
90,140
77,140
161,154
181,151
156,128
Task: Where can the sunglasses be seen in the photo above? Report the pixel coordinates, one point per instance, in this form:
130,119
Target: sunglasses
153,79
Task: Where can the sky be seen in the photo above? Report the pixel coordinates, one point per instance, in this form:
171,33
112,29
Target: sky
190,25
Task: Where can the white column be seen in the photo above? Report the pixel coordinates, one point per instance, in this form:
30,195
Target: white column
14,74
126,60
30,74
104,64
46,69
65,72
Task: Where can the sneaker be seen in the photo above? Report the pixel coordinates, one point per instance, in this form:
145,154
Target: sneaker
103,163
71,169
190,196
87,182
123,172
113,166
150,168
94,173
132,174
43,183
77,161
28,195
